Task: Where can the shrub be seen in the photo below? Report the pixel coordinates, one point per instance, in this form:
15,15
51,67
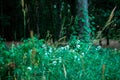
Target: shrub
35,60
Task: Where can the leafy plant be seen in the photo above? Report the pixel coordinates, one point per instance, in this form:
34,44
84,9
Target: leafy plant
36,60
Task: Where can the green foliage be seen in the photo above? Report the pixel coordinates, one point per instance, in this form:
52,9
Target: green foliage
101,14
38,61
92,24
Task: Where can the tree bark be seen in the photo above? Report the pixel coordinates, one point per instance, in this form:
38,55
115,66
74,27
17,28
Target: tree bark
1,22
37,18
83,19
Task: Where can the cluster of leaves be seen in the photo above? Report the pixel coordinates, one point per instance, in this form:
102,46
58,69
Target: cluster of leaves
101,14
35,60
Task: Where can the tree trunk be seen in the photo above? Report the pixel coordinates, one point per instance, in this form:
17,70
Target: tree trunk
83,19
37,18
1,22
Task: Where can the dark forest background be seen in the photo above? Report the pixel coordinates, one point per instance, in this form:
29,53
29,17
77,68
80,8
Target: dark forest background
55,17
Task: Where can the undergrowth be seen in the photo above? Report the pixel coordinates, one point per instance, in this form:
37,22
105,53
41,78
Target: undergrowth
36,60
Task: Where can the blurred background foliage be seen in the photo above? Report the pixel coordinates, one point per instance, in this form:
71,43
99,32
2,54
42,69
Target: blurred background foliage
55,16
100,11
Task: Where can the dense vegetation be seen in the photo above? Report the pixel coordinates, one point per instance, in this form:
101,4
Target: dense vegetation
35,60
57,49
